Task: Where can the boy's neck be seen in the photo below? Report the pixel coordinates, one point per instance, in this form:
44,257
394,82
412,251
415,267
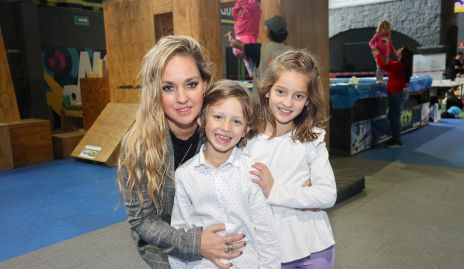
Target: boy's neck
214,157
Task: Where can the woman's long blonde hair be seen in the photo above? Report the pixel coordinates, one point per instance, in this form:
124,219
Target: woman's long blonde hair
314,113
144,157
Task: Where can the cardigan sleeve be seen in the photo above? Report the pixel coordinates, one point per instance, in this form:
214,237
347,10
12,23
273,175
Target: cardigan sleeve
153,230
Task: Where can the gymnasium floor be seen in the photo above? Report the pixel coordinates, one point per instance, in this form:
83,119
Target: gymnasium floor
66,214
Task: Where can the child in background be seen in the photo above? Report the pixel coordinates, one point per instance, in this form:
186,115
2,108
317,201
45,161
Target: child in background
246,14
399,74
293,168
215,185
382,42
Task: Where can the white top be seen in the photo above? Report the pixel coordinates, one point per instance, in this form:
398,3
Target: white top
206,195
291,164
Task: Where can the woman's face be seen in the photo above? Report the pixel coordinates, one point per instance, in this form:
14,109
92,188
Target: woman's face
183,90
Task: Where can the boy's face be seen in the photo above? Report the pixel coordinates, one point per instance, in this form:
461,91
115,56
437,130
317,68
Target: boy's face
224,125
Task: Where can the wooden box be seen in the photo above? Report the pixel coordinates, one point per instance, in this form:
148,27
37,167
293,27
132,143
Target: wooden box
64,143
6,154
31,141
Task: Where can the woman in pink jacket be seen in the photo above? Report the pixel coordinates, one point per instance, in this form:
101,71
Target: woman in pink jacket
382,42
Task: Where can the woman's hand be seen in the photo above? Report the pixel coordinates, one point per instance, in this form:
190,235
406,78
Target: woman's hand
214,247
264,177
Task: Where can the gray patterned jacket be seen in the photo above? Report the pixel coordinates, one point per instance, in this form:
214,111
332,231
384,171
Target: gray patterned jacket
152,233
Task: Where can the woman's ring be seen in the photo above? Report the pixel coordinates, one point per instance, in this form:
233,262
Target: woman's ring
229,248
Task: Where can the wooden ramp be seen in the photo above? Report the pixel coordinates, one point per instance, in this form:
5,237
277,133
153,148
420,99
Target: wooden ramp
101,142
8,106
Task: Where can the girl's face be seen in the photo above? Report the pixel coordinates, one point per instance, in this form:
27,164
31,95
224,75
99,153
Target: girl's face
224,125
287,99
385,29
183,90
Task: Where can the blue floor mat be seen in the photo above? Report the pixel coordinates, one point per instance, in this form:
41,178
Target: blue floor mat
47,203
438,144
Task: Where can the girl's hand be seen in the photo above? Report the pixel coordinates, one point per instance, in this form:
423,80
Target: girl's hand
307,183
214,247
375,52
264,177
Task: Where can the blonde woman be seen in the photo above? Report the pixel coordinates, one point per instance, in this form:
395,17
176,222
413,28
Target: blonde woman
175,74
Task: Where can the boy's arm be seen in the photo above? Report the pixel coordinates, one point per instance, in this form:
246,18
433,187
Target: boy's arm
267,244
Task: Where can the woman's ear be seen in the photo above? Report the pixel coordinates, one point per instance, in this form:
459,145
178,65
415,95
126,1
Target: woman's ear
199,121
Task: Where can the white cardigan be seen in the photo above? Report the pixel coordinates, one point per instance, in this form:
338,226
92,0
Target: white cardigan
291,164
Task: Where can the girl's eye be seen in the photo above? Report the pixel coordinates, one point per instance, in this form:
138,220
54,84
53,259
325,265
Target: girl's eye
279,92
300,96
192,85
168,88
237,122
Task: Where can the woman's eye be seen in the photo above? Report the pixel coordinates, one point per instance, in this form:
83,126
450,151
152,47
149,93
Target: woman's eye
192,85
168,88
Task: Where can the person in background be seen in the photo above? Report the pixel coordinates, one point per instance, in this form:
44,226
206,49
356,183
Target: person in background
263,54
456,67
399,74
382,42
247,14
215,185
175,74
292,162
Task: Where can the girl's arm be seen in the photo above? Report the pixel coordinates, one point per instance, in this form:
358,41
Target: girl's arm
373,41
267,244
323,191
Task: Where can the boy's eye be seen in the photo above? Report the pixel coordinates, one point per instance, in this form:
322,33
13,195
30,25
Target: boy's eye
217,117
192,84
167,88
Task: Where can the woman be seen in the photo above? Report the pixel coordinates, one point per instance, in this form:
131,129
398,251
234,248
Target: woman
175,74
399,74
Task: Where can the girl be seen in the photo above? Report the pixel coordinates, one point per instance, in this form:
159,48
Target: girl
382,42
215,186
399,74
290,149
175,74
247,14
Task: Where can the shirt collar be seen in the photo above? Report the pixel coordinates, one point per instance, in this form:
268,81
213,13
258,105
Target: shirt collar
234,158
